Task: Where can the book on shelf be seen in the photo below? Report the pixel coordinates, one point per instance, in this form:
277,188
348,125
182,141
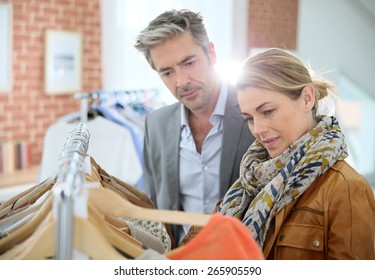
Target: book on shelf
14,155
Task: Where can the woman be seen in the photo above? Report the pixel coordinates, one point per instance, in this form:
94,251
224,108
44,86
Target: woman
296,193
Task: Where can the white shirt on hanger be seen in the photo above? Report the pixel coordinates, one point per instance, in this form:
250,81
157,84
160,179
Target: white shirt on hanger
110,144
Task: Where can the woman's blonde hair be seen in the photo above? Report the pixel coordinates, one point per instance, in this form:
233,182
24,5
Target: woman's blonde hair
279,70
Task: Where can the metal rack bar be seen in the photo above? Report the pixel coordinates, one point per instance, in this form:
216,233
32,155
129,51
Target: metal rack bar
70,180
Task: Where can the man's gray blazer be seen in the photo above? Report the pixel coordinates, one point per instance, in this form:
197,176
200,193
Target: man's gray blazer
161,151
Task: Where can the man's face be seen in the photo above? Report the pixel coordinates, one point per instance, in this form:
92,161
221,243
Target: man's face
186,70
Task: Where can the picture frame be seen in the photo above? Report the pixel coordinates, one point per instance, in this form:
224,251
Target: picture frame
63,62
6,48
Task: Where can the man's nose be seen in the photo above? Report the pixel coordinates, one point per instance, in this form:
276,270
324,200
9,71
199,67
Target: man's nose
183,79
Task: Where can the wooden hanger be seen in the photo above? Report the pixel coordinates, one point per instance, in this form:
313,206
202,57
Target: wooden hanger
87,239
14,252
92,237
111,182
27,197
19,214
26,230
24,193
102,203
111,203
117,238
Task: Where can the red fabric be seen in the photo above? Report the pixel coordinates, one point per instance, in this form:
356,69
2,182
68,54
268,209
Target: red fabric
223,238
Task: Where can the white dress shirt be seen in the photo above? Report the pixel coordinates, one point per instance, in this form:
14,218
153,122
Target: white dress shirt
199,173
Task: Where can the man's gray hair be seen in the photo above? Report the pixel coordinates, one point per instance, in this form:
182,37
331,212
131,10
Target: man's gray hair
171,24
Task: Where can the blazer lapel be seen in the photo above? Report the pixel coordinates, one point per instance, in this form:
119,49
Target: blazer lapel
231,136
172,156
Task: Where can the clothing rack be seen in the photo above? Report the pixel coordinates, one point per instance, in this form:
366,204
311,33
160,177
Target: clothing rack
135,96
103,95
84,98
69,184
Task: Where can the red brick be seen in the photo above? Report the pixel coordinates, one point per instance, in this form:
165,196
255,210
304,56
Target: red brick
30,19
272,23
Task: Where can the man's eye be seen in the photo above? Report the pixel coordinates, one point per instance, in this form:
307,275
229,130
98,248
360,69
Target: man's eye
189,63
166,74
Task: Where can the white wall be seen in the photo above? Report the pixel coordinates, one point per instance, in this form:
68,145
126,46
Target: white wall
338,37
122,20
5,48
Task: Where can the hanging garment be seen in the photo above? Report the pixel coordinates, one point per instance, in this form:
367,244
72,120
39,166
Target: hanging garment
223,238
151,234
111,145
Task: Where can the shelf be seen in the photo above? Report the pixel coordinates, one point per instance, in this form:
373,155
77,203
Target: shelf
19,177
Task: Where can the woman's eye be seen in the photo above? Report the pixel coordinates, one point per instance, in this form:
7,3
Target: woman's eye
249,119
268,112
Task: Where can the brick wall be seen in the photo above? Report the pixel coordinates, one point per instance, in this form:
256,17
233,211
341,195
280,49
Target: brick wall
26,112
272,23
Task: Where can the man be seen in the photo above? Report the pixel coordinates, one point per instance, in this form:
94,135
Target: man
192,149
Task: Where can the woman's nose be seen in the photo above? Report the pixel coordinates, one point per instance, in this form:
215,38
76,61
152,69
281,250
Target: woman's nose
259,127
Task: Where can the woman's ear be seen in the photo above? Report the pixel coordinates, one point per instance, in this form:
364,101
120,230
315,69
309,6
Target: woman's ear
308,97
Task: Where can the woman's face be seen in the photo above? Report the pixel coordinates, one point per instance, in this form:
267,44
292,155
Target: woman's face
275,119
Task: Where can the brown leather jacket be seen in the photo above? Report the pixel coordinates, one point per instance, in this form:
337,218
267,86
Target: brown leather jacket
333,219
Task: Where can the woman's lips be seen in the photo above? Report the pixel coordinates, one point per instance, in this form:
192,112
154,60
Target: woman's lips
269,143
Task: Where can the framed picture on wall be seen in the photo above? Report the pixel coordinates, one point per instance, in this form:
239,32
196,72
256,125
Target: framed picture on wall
62,64
5,48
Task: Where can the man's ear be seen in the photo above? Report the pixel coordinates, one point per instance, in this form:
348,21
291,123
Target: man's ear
308,97
212,53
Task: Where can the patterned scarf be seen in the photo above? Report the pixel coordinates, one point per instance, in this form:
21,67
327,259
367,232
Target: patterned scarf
266,185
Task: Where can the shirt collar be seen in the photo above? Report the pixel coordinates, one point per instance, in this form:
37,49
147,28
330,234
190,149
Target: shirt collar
219,107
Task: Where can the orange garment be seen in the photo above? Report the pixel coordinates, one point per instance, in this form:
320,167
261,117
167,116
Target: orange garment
223,238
